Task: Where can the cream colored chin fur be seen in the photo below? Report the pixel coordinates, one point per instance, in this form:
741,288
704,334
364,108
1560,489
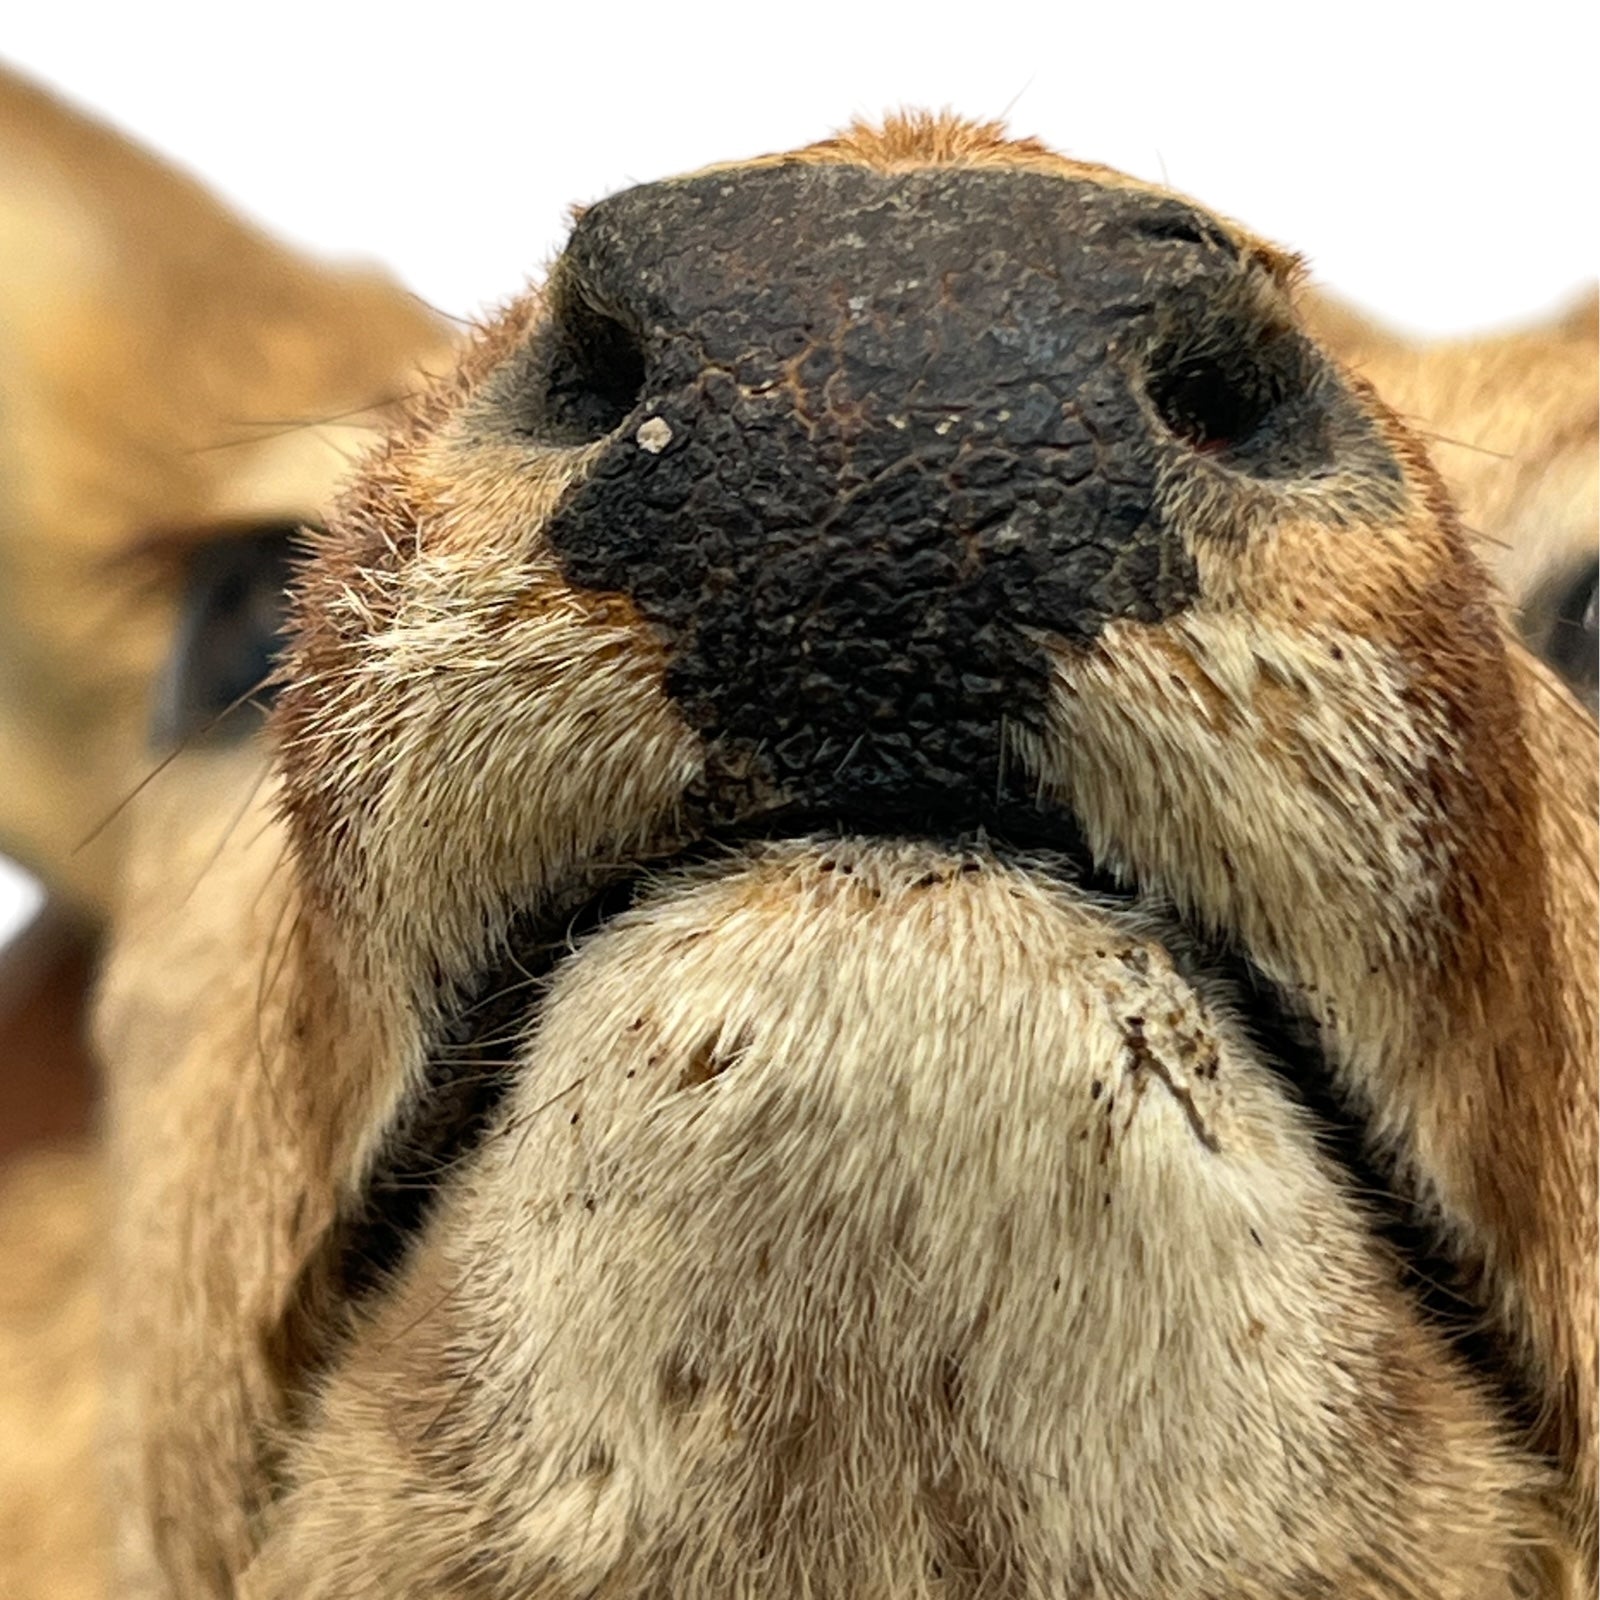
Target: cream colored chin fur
700,1323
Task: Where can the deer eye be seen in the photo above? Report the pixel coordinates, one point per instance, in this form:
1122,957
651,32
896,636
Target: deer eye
1560,621
232,608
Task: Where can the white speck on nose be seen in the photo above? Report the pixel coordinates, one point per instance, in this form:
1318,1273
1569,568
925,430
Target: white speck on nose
654,435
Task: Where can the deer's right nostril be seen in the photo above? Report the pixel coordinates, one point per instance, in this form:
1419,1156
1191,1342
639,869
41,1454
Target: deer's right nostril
596,373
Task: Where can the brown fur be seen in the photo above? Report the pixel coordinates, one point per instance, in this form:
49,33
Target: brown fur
760,1283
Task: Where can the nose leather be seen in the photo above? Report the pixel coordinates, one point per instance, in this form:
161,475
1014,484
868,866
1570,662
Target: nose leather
890,431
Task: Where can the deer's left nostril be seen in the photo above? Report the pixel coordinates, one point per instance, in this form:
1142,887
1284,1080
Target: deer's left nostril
1208,405
1210,402
1179,225
1246,389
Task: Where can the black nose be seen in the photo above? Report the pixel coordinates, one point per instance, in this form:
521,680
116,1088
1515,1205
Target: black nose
871,435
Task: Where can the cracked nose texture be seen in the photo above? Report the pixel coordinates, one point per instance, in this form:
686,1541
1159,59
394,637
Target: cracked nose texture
888,429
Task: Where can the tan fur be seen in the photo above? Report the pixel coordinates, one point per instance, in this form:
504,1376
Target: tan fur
166,373
164,369
1511,422
866,1219
909,1378
54,1532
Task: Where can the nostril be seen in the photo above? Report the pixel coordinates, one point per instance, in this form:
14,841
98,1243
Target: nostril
1213,402
596,373
1257,397
1181,227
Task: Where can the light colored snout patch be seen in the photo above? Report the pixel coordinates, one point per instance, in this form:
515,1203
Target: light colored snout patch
844,1185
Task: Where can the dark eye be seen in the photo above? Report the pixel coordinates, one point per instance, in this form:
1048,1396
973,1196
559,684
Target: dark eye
231,613
1560,621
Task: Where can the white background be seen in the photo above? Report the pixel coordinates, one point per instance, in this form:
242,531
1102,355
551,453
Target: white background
1435,163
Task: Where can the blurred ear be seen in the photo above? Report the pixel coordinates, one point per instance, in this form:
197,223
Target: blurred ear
162,366
1511,422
